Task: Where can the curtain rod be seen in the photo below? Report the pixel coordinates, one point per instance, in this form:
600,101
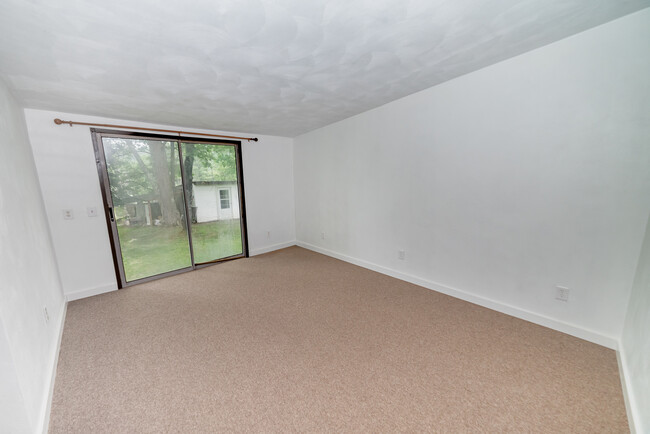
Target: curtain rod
71,123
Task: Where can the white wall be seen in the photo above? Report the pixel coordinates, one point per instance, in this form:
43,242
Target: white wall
29,282
208,201
635,342
66,168
13,412
501,184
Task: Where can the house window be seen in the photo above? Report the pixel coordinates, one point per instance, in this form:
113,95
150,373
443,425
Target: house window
224,197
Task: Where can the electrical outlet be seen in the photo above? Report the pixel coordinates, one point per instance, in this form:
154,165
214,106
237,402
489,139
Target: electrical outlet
562,293
268,235
401,255
46,315
68,214
322,235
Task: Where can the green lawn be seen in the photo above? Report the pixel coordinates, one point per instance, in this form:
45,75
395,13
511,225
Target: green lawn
151,250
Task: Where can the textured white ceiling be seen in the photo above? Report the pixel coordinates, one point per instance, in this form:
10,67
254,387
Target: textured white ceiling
279,67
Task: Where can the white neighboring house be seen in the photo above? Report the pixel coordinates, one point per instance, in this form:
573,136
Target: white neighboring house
216,200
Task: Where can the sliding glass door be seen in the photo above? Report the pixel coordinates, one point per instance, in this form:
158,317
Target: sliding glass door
212,189
172,204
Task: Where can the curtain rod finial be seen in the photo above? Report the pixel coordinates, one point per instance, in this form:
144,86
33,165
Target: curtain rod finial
59,122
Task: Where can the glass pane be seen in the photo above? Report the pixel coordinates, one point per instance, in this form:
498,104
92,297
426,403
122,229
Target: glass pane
213,195
147,193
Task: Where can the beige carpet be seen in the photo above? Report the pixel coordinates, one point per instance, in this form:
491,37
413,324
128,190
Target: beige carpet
293,341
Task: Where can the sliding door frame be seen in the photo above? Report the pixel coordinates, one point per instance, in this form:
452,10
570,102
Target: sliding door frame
102,170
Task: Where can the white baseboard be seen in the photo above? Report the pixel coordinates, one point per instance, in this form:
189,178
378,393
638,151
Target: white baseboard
255,252
564,327
630,403
76,295
47,407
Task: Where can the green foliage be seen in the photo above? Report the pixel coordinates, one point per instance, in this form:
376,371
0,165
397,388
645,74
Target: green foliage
132,175
214,163
129,177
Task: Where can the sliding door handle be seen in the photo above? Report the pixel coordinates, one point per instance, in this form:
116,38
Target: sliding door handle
110,213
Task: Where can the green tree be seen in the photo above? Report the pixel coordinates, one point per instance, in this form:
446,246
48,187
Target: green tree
206,162
214,163
127,164
163,171
141,170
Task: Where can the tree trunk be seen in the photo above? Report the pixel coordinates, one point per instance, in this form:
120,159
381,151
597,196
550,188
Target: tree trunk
188,166
170,215
172,165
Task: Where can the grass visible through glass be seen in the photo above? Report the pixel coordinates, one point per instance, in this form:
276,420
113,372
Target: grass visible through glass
143,256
